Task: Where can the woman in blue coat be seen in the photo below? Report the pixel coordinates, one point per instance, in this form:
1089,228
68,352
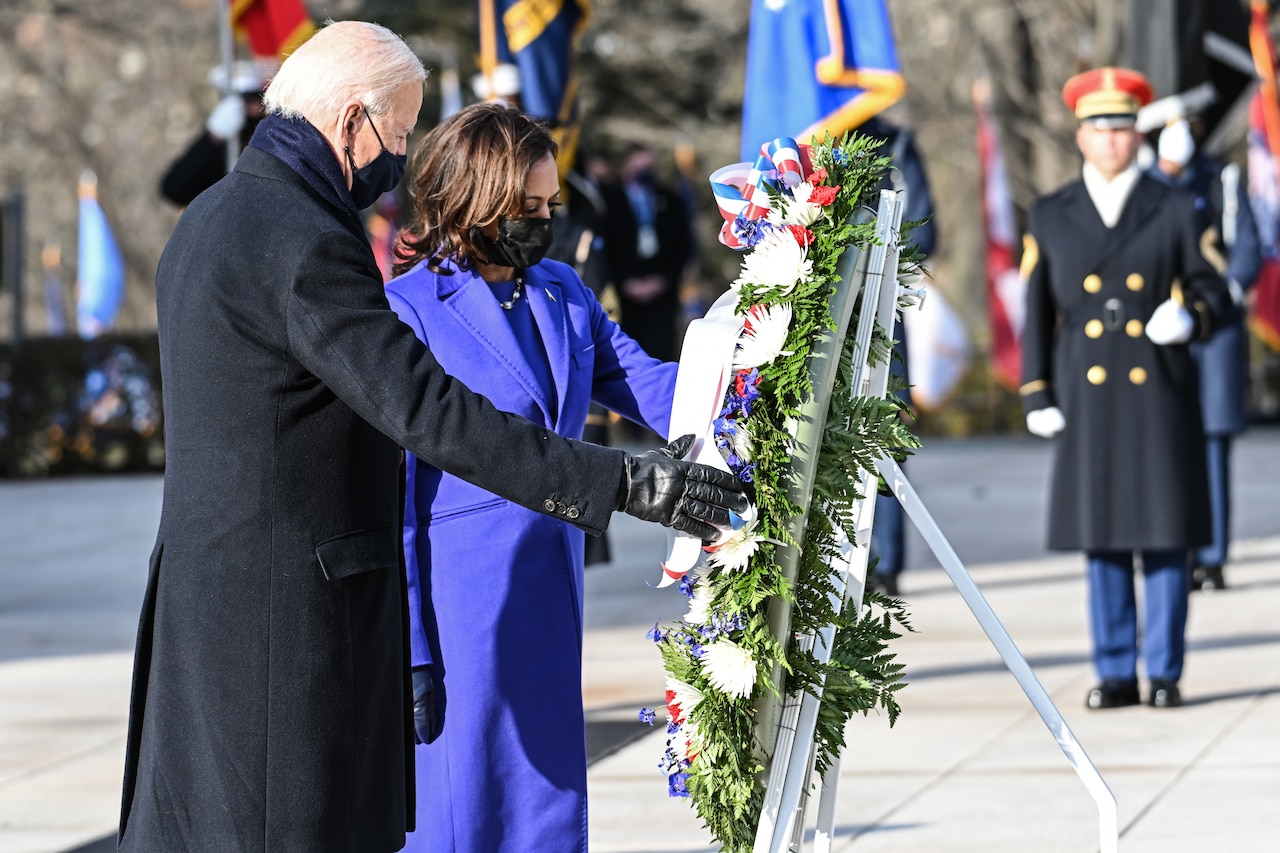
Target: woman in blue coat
496,591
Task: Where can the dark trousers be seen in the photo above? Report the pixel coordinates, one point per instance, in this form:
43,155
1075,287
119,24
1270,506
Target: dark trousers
1218,456
1113,613
888,535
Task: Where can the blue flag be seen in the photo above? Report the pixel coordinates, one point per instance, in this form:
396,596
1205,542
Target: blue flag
539,38
100,267
816,67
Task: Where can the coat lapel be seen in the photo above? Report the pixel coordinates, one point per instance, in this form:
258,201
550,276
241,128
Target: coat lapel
1143,201
1085,220
546,299
474,308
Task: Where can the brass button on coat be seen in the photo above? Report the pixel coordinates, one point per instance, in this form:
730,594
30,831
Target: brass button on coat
1134,328
1137,376
1093,328
1135,281
1092,283
1097,374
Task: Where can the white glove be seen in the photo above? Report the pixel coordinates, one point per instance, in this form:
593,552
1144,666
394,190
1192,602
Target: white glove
227,117
1170,324
1047,422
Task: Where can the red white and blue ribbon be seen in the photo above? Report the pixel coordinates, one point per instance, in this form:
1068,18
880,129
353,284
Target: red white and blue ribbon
742,189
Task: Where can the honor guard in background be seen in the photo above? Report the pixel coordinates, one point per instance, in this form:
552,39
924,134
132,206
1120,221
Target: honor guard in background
1117,289
1229,240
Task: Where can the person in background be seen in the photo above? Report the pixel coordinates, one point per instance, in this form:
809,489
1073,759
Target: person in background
495,623
647,243
1229,240
1117,289
906,174
272,697
236,116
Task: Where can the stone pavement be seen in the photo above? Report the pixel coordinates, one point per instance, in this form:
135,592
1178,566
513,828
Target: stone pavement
969,766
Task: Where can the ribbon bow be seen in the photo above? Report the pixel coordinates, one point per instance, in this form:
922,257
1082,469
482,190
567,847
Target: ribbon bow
742,189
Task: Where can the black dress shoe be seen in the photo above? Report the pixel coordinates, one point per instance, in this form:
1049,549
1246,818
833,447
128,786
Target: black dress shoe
885,584
1113,693
1164,694
1208,578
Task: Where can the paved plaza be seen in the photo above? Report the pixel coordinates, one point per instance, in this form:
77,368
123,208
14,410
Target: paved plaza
968,767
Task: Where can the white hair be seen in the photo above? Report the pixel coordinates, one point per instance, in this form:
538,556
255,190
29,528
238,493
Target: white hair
344,61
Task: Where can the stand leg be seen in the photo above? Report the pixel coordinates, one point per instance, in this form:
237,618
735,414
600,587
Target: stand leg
1108,826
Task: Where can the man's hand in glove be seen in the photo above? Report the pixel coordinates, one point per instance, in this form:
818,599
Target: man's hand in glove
227,118
1046,422
1170,324
692,498
426,717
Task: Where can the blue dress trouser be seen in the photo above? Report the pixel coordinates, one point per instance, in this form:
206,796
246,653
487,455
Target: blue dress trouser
1218,456
1113,613
888,536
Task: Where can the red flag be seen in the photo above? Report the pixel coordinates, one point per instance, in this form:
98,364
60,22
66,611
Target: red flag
1005,287
272,28
1264,179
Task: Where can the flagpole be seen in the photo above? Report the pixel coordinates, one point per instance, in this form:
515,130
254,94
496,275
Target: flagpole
227,50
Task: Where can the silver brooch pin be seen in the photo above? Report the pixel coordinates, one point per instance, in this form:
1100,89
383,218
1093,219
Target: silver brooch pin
549,296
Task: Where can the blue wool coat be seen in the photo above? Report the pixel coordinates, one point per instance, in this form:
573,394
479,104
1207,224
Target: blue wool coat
495,591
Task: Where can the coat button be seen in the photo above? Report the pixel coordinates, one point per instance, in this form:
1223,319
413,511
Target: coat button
1092,283
1137,376
549,505
573,512
1093,328
1135,281
561,508
1097,375
1134,328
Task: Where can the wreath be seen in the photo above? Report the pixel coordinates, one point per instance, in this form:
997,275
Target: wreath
798,210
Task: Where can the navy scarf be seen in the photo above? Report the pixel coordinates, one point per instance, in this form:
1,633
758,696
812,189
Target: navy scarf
301,147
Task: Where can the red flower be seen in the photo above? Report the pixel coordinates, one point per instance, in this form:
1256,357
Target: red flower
823,196
673,708
803,235
817,176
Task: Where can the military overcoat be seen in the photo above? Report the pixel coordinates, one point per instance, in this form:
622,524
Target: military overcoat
270,709
1129,468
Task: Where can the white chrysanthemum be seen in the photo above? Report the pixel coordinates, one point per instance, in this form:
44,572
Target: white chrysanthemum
681,700
743,447
776,263
730,668
738,547
700,603
797,210
688,741
763,334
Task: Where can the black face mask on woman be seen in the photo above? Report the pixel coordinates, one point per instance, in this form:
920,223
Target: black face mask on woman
520,243
378,176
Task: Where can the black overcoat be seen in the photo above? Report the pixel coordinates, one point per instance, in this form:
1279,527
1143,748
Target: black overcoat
270,708
1129,469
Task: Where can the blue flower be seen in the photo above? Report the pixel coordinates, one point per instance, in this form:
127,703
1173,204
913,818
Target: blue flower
647,715
672,727
677,785
686,585
655,633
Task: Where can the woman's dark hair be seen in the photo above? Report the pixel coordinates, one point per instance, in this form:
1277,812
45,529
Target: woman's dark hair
468,173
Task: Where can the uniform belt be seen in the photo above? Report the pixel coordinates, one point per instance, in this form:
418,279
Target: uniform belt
1114,313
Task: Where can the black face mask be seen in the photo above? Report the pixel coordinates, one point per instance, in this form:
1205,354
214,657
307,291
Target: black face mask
521,243
380,175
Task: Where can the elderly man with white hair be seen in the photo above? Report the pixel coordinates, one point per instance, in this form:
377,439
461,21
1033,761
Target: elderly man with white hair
271,707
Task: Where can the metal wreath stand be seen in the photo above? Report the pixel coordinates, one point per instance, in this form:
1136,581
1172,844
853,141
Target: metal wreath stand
790,724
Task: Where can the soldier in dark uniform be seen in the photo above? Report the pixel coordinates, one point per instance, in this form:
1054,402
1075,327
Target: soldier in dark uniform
1116,291
1229,240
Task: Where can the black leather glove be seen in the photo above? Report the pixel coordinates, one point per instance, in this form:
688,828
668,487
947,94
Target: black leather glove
426,722
692,498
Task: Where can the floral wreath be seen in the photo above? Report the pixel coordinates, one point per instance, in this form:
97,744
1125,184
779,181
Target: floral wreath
793,212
